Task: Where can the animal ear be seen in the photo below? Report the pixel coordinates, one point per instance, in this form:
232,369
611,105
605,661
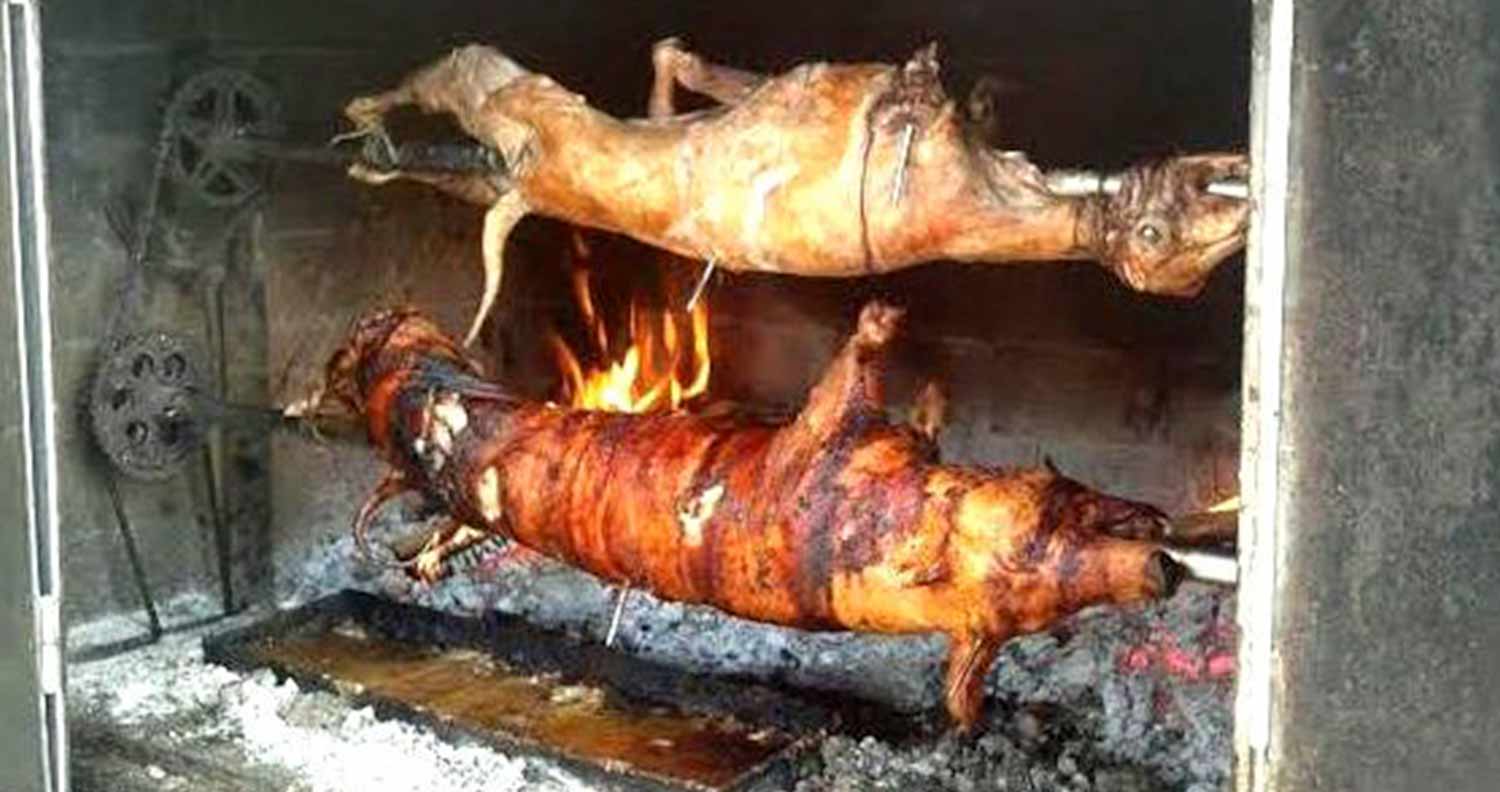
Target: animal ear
1050,465
924,59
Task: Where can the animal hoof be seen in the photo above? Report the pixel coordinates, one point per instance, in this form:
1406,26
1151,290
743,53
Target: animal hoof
667,48
878,322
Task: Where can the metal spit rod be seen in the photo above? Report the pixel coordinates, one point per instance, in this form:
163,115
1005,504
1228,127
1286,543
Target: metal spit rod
1206,565
1082,182
456,157
475,157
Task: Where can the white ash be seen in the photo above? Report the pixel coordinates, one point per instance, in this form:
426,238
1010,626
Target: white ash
115,628
169,693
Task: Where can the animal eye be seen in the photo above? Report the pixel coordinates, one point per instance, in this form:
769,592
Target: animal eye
1150,233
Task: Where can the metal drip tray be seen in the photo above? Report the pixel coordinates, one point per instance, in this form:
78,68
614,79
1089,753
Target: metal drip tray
620,720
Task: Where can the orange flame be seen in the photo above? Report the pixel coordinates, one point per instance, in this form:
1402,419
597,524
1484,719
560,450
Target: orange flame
644,375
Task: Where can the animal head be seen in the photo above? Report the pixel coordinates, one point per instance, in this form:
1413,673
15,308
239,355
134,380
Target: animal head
1054,546
376,341
1163,232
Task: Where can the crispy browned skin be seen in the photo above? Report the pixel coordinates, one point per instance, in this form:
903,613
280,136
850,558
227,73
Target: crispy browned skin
838,520
828,170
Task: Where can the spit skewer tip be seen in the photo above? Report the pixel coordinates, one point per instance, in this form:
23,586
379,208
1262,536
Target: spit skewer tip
614,622
708,273
1081,183
1206,566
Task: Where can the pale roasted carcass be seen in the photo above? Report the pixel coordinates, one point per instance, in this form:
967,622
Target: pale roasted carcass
827,170
836,520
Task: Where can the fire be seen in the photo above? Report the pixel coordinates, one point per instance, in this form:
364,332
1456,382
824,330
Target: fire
663,363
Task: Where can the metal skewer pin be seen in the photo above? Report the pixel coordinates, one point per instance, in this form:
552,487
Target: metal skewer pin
614,622
900,183
708,272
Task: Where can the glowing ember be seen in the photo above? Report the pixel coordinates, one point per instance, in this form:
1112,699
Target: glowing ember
663,363
1209,657
1232,503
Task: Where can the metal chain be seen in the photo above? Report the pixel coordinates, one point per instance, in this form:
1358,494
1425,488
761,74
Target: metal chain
139,246
153,194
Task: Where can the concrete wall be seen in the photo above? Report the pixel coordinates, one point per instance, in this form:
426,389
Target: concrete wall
1387,617
1132,393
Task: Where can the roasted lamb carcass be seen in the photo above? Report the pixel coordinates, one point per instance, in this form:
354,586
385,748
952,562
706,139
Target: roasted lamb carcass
828,170
836,520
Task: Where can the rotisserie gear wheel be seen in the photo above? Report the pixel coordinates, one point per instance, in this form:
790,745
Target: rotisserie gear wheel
146,402
206,119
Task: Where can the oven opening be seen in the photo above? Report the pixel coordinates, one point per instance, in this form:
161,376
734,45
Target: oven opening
870,370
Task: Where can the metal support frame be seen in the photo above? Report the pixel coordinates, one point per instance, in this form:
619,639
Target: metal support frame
34,757
1260,436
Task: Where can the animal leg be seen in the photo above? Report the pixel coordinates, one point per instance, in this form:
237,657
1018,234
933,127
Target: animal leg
852,383
458,83
468,187
929,411
969,660
427,555
429,565
672,66
514,555
389,487
367,113
498,222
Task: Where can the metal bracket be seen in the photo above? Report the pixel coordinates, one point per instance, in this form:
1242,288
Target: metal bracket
214,106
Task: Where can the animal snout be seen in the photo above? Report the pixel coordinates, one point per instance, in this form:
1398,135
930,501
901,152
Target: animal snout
1164,573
